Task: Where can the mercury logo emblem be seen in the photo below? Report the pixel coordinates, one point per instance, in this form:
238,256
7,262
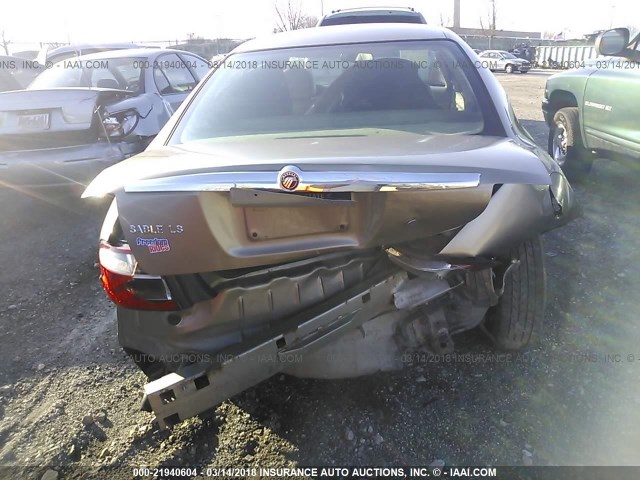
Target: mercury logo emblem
289,180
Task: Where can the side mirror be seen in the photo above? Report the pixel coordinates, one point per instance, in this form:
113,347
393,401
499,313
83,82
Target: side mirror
612,42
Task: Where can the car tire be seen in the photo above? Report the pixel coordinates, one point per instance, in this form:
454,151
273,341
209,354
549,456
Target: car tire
516,321
508,68
566,146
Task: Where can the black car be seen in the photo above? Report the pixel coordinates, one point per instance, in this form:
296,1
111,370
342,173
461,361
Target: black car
372,15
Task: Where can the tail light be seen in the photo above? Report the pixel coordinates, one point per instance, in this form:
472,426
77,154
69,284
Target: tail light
121,124
128,288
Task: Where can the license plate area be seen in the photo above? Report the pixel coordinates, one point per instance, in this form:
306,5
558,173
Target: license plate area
35,122
273,223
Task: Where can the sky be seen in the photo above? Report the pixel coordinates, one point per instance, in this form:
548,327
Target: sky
89,21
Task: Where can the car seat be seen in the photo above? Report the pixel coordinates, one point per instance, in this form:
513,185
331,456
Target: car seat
385,84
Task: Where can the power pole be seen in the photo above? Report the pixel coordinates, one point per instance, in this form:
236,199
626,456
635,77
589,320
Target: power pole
493,15
456,13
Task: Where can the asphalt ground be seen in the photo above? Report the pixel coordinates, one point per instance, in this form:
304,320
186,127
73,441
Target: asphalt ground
573,400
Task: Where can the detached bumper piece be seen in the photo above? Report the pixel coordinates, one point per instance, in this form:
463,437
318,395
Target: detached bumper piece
201,386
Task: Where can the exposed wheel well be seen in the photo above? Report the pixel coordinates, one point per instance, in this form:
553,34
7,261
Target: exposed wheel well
561,99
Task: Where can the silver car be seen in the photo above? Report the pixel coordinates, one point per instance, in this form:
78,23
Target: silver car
86,113
499,60
48,56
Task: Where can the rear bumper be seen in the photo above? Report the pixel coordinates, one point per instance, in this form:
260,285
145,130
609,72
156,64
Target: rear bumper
213,324
245,305
210,379
60,167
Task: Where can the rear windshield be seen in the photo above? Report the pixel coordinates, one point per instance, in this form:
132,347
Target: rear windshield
425,87
7,81
116,73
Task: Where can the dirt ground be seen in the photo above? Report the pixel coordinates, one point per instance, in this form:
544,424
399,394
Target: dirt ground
69,398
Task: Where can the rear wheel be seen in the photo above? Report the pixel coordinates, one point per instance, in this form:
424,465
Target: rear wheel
516,321
566,146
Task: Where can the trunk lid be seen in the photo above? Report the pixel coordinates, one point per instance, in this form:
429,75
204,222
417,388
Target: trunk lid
497,160
223,205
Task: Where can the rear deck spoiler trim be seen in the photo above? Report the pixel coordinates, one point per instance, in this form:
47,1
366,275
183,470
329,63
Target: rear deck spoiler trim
329,181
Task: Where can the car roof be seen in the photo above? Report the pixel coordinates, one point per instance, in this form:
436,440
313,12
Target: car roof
46,52
373,11
7,58
131,52
340,34
85,46
371,15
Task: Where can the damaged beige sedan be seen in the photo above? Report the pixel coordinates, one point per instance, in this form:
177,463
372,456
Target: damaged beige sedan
325,202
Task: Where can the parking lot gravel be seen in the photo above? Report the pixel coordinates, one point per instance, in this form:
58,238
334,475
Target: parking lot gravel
69,397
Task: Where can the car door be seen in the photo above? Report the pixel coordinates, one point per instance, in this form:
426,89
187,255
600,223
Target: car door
494,61
501,62
198,66
484,56
610,107
173,79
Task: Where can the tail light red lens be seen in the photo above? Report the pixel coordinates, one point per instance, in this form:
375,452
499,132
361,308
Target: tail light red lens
128,289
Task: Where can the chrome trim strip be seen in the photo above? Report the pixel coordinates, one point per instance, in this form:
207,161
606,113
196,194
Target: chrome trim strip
145,276
331,181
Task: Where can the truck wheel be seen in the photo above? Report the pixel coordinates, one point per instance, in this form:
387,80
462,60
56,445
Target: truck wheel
516,321
566,147
508,68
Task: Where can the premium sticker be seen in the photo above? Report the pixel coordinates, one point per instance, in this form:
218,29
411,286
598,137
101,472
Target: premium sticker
155,245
